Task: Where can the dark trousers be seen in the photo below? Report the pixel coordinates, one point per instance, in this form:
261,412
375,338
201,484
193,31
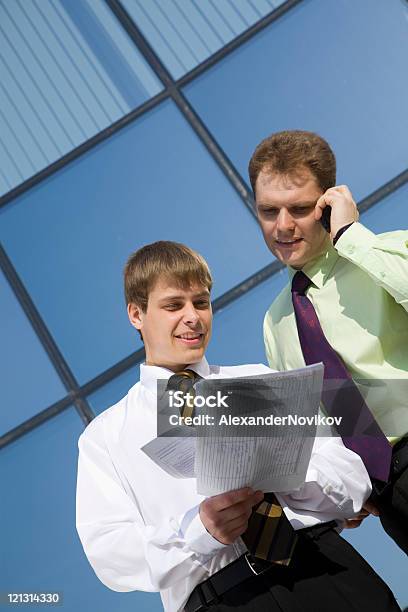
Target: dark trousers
392,501
326,573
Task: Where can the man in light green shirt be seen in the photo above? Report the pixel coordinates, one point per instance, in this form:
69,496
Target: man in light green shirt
359,290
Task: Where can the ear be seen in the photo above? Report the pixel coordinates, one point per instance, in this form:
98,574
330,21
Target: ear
135,315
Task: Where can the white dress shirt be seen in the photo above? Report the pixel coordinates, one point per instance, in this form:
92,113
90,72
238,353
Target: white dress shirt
140,528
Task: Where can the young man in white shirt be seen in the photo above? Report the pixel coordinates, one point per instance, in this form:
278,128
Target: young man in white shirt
141,529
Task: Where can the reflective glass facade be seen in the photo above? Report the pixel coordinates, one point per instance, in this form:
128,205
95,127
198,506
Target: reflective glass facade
184,34
107,142
67,71
340,86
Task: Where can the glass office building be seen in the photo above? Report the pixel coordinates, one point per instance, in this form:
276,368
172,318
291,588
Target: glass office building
128,121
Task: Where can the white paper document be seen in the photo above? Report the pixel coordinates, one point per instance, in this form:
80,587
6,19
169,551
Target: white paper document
174,455
263,440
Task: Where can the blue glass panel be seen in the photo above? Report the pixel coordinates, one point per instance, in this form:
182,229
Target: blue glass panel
29,381
41,545
382,554
390,214
237,329
110,394
67,71
351,87
152,180
185,32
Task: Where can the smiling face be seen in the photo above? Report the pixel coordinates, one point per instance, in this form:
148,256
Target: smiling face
285,206
176,326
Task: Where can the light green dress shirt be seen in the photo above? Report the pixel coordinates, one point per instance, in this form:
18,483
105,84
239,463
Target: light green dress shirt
360,293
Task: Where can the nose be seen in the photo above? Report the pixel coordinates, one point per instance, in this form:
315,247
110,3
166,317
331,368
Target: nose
285,221
190,314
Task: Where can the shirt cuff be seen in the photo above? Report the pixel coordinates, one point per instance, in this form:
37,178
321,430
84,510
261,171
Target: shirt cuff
341,232
197,537
354,243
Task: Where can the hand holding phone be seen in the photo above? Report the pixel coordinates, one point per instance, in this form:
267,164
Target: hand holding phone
336,208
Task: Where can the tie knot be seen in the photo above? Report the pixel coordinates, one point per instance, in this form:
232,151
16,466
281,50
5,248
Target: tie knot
182,381
300,283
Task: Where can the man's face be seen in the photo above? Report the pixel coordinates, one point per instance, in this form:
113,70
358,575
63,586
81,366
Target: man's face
285,207
176,326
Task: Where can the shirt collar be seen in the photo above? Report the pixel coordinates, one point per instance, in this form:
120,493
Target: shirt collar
149,375
320,269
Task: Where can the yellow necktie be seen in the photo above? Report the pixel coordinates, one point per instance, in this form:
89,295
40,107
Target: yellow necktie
269,535
184,381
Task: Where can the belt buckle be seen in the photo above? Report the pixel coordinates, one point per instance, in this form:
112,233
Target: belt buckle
252,568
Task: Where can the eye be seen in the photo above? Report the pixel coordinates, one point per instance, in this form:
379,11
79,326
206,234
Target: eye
172,306
301,210
202,304
268,212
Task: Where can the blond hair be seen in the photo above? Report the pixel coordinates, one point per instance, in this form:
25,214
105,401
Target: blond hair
172,261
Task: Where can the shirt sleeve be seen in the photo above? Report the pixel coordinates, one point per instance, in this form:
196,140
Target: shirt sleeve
266,343
384,257
125,553
336,486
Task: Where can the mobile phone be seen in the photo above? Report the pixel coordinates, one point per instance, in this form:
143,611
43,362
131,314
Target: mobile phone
325,218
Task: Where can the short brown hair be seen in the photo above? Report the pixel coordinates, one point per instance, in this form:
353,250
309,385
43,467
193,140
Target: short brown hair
289,151
170,260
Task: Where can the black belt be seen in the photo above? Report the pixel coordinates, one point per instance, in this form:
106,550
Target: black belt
209,592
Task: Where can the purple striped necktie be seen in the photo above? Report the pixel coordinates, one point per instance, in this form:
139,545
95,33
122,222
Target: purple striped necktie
341,398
